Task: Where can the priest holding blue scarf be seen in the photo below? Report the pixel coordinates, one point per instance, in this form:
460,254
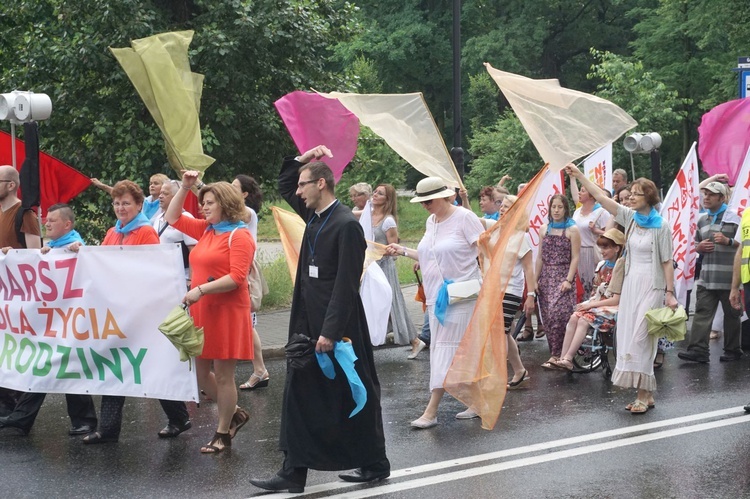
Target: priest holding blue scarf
648,284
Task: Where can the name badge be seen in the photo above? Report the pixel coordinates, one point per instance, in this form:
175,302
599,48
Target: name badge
313,271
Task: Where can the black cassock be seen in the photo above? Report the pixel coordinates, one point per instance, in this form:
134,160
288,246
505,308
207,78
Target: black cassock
316,431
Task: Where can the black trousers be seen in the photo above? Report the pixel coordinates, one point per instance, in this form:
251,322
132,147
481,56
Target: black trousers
111,414
298,476
81,410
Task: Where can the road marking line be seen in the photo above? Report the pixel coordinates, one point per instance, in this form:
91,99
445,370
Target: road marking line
441,465
528,461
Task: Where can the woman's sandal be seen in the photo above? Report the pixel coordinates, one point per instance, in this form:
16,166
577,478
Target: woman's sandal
514,385
551,364
211,447
98,438
262,381
566,364
638,407
526,335
657,362
239,419
630,406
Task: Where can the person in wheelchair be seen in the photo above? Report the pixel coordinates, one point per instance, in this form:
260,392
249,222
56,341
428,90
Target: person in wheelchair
600,310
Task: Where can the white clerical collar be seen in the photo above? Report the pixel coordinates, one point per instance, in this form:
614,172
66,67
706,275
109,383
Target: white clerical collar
318,212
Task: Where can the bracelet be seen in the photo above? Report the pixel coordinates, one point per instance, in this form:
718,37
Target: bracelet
669,291
201,291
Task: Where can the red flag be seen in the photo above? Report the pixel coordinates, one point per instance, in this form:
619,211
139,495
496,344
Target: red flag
59,182
724,136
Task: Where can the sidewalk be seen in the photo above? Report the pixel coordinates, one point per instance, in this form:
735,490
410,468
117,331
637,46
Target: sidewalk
273,326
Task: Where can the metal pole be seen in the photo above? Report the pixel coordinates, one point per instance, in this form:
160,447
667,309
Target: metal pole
457,153
13,142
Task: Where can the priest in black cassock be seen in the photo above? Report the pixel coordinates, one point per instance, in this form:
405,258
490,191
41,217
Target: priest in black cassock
316,428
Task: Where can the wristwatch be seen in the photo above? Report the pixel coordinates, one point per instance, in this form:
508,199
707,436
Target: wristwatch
531,293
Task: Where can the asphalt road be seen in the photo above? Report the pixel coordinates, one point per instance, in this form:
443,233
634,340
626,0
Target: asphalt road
565,436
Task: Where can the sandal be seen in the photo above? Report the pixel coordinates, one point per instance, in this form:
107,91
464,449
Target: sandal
251,384
211,448
527,335
638,407
539,332
239,419
651,404
514,385
566,364
551,364
98,438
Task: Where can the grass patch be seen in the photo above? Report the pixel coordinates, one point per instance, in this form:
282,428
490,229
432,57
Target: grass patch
280,286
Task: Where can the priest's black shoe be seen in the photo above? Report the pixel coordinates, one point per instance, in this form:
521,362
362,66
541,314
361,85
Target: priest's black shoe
278,484
361,475
84,429
747,408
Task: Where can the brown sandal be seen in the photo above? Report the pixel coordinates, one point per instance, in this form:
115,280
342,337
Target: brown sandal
211,448
239,419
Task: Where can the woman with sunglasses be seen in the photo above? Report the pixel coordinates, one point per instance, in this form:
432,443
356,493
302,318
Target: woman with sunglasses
447,253
648,283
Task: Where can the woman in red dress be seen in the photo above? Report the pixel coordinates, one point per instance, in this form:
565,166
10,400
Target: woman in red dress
219,298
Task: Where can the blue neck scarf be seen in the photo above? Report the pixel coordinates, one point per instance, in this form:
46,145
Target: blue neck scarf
71,237
568,222
441,303
652,221
226,226
609,264
715,214
150,208
139,221
596,207
493,216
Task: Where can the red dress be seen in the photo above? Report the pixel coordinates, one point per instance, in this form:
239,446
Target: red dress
224,317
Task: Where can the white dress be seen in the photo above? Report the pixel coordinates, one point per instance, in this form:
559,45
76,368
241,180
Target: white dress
448,251
636,349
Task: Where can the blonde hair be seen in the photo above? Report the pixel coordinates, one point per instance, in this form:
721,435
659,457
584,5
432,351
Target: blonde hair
228,198
361,188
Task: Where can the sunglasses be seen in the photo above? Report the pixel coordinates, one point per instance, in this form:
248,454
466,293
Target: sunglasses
426,203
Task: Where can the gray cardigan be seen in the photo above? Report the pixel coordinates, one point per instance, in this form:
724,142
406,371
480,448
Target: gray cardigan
660,252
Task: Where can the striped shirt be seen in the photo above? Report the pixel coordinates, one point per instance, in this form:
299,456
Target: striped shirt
716,269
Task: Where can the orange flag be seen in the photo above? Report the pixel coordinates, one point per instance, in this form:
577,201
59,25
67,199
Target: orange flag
478,375
291,229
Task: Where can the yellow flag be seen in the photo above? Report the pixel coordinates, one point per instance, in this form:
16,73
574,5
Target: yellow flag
159,69
291,230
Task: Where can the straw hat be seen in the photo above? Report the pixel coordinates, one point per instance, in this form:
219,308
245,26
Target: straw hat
615,236
431,188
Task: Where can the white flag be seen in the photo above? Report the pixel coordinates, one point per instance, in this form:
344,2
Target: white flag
598,167
680,210
552,183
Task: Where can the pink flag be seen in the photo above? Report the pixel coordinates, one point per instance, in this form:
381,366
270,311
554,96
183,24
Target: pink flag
313,120
724,136
680,210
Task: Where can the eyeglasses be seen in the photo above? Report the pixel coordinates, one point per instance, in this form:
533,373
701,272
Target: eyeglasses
124,204
426,203
637,194
305,182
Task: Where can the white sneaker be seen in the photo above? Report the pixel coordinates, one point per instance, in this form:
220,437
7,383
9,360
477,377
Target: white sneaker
421,346
467,414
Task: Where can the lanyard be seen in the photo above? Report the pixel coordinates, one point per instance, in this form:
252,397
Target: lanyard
315,242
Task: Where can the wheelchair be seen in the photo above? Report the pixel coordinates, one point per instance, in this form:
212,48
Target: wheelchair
594,351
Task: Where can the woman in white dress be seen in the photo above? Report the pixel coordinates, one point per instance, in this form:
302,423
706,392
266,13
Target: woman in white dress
648,284
447,252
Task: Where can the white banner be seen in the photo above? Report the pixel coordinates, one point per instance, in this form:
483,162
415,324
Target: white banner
87,323
598,167
741,192
552,184
680,209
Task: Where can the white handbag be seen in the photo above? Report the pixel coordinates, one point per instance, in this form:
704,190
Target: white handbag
463,291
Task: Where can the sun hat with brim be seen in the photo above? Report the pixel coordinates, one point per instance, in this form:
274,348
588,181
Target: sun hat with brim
431,188
614,235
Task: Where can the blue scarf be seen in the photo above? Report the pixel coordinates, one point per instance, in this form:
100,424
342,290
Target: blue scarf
609,264
562,225
139,221
150,208
71,237
596,207
494,216
652,221
226,226
343,352
441,303
715,214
